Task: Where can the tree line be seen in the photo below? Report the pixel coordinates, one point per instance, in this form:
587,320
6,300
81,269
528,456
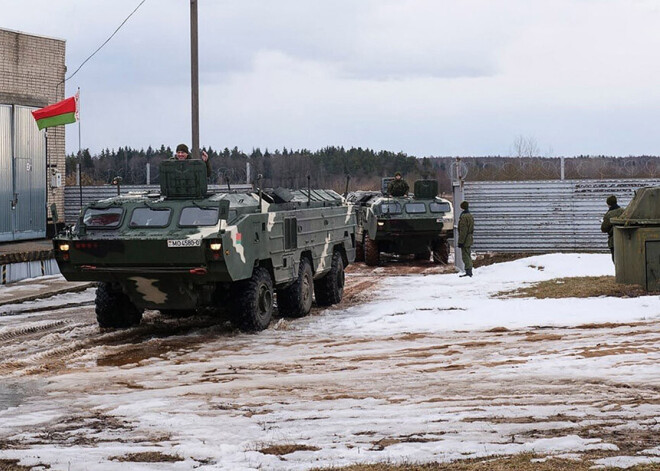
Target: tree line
328,167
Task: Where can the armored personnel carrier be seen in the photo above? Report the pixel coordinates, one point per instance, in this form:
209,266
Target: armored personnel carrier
417,224
184,249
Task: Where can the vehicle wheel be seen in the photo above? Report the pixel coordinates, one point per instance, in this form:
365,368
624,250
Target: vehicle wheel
330,289
177,313
371,253
114,308
296,300
441,251
359,251
253,301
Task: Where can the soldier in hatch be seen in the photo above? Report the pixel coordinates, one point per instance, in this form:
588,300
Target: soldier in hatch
465,238
182,153
606,226
398,186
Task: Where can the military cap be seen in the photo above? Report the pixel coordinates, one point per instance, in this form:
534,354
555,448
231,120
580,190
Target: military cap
464,205
182,148
397,173
611,200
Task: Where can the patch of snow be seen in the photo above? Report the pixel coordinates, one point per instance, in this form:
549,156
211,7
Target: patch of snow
625,461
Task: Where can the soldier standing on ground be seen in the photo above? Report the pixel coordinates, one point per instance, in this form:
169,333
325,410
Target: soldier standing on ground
398,186
465,238
182,153
606,226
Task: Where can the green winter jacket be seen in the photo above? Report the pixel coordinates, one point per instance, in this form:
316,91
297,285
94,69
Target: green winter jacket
465,228
398,187
614,212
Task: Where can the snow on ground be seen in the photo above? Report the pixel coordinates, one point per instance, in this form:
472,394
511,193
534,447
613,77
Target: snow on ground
448,302
432,368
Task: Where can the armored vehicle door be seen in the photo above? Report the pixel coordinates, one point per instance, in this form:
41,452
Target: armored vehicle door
653,265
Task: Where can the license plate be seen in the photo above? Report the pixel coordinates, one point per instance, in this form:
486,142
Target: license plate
184,243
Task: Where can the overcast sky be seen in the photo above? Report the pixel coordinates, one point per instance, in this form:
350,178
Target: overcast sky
426,77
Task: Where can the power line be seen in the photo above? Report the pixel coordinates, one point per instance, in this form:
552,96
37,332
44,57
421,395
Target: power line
104,43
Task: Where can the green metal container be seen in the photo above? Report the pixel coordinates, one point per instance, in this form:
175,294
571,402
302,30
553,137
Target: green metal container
637,241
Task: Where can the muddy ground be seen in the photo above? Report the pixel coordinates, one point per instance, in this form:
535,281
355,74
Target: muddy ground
62,335
91,372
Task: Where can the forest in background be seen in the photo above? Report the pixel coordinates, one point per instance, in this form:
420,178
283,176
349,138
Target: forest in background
328,167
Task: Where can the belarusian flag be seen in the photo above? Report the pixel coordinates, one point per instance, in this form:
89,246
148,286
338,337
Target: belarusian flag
63,112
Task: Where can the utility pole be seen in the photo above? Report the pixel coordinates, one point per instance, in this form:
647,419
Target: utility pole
194,79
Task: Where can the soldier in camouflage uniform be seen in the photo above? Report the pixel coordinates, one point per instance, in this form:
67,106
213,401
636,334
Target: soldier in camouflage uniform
465,238
606,226
398,186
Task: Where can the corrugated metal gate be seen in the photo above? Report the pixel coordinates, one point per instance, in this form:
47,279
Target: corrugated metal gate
22,175
544,216
95,193
6,179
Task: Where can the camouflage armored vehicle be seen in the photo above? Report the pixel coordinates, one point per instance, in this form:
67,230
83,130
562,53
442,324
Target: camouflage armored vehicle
417,224
183,250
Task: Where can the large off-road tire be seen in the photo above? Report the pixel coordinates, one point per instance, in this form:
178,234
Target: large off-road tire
114,308
371,252
296,299
330,288
252,307
359,251
441,251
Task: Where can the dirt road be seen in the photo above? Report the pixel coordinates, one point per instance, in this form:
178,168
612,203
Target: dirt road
73,396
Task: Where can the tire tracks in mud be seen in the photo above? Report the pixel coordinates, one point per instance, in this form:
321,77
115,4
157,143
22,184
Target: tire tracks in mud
20,312
21,331
50,344
70,339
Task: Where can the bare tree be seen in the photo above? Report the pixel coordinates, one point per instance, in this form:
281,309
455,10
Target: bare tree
525,147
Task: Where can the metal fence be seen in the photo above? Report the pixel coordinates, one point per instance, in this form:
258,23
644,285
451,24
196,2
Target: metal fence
544,216
94,193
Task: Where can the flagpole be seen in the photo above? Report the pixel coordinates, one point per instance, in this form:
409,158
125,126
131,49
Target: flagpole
49,194
79,148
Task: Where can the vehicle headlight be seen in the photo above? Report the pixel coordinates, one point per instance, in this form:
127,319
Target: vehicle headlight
64,247
215,246
381,223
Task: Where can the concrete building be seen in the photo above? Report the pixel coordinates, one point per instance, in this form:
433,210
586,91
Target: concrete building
32,165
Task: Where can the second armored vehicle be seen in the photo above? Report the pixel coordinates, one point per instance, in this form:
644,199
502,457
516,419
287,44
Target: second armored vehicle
417,224
185,249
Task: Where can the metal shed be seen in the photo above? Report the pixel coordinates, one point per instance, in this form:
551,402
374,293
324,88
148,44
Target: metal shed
637,241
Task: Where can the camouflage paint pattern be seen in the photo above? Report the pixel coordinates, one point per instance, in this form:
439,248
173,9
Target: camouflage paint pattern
172,266
403,232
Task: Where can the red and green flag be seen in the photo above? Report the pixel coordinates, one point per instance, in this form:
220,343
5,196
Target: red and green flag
63,112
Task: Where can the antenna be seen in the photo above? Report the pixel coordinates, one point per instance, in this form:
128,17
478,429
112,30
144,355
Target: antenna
309,190
259,177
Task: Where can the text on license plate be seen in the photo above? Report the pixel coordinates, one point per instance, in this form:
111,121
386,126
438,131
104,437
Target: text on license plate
184,243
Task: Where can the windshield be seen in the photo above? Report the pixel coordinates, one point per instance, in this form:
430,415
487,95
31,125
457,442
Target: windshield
439,207
194,216
390,208
415,208
147,217
106,218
